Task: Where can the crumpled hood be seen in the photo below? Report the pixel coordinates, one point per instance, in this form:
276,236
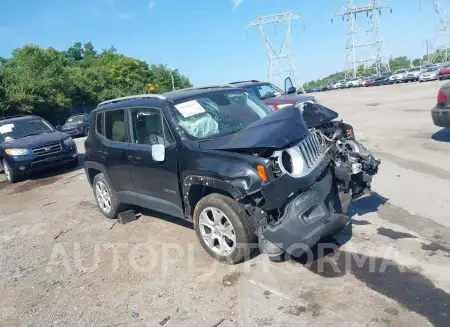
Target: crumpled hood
277,130
36,140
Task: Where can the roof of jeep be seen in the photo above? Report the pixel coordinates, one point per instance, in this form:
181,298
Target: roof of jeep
245,84
195,91
176,96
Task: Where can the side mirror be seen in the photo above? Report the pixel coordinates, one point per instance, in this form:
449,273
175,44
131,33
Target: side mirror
291,90
158,152
58,127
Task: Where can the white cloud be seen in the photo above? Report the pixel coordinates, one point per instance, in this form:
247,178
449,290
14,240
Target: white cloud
236,3
151,4
125,17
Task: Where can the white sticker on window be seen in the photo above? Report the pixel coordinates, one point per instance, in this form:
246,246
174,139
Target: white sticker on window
190,108
6,128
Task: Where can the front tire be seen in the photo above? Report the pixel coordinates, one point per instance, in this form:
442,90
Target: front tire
11,175
224,229
106,198
86,131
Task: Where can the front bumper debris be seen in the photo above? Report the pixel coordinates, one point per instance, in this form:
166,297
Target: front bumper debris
308,217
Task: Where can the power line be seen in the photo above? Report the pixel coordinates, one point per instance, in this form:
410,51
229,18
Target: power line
363,53
280,61
441,42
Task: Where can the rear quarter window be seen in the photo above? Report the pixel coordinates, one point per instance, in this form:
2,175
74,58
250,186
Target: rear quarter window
99,123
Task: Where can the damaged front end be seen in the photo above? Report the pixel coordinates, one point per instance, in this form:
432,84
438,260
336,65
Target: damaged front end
313,183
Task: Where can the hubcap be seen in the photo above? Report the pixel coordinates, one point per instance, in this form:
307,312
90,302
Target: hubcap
217,231
103,196
7,171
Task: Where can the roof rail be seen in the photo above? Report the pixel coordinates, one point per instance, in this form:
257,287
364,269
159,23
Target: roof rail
252,80
15,116
131,97
225,86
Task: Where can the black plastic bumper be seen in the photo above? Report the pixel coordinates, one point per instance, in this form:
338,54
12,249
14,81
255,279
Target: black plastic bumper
441,116
310,216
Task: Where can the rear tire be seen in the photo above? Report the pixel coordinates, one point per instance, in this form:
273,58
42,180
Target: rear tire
106,198
224,229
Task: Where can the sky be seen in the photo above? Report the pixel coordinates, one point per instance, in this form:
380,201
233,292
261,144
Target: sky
207,40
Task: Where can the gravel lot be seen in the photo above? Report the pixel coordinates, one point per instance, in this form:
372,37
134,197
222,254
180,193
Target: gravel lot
63,264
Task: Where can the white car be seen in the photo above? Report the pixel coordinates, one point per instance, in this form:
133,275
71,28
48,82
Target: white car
429,74
398,76
338,84
354,82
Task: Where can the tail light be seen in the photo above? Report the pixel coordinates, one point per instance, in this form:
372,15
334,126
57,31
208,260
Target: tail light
441,97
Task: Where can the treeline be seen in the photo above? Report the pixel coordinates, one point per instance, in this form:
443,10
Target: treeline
394,64
54,84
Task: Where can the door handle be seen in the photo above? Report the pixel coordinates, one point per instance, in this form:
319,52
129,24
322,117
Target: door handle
133,158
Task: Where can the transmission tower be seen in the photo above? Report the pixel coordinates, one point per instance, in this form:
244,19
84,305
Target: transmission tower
369,51
280,61
441,42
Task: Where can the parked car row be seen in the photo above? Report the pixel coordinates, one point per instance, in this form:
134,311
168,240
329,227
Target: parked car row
414,74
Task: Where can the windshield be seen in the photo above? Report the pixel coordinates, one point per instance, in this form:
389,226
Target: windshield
75,119
264,91
22,128
431,69
417,69
219,113
385,74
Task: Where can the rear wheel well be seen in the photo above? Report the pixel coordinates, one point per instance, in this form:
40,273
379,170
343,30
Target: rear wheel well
197,192
92,172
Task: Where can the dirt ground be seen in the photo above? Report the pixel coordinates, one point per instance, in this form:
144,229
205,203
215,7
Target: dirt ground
63,264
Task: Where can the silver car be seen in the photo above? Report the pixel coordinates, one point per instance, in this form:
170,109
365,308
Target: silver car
398,76
429,74
412,74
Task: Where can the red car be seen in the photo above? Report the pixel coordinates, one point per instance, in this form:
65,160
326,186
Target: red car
444,72
273,96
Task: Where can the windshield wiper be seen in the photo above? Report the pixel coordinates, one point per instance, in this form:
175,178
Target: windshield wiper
31,134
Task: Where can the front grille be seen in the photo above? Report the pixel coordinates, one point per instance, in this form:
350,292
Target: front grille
312,148
47,150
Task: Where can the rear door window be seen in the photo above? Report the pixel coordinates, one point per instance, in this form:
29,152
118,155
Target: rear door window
115,129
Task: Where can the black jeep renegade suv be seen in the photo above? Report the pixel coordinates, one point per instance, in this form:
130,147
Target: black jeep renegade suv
219,157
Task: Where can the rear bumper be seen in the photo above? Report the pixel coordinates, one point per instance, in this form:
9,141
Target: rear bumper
427,78
441,116
307,218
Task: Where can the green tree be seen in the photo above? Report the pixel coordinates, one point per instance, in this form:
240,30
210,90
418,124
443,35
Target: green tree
399,63
416,62
54,83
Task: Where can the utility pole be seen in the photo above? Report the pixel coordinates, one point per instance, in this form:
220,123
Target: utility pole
440,44
280,61
368,51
